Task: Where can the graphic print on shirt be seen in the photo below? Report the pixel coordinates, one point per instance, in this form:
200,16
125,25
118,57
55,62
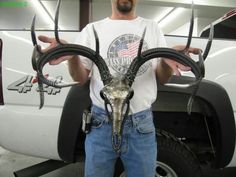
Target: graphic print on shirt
123,50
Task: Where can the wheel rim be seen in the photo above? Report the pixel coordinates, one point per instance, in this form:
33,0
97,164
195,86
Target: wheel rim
122,174
162,170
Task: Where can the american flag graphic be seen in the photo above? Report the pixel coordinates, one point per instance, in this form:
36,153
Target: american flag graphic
128,49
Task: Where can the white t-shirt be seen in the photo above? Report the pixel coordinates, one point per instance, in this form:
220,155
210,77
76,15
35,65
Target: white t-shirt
119,41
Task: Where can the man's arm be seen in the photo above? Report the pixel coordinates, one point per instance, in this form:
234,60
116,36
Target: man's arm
167,67
77,70
163,72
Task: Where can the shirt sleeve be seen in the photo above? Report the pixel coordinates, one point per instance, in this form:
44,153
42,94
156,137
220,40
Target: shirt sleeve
161,37
161,41
83,39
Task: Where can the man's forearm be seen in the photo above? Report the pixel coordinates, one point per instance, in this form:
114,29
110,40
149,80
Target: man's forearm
77,70
164,72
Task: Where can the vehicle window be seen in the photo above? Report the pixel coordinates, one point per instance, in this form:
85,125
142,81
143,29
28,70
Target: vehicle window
223,28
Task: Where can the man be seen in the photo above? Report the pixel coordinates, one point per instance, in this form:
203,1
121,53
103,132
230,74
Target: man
119,37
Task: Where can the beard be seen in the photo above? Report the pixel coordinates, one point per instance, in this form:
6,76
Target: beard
124,7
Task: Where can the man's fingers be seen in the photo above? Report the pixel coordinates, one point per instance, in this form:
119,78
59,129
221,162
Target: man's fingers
176,71
56,61
184,68
47,49
49,40
46,39
179,67
59,60
194,50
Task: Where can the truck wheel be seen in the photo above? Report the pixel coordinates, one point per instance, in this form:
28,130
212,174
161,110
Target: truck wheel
174,159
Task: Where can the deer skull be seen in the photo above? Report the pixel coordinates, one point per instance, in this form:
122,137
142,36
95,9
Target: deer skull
117,94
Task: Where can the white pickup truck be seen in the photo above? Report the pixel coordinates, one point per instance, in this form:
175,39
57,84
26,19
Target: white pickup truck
186,142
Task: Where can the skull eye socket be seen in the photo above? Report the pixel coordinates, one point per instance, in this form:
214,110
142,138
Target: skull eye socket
102,95
131,94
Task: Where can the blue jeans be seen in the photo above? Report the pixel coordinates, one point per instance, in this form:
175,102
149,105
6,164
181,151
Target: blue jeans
138,150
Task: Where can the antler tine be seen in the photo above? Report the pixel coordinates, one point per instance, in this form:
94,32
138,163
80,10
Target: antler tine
37,49
33,36
96,40
141,42
41,93
35,56
201,64
104,71
56,22
208,46
202,57
190,34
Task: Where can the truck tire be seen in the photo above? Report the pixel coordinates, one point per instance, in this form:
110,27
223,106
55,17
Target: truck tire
174,159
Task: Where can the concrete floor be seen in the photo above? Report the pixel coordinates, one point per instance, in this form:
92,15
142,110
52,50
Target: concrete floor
10,162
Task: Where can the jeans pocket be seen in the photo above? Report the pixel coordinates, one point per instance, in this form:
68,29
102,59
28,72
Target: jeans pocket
146,125
97,121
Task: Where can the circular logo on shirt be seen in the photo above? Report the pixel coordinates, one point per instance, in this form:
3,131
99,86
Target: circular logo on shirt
123,50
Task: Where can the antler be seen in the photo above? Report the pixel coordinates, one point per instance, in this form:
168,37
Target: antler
72,49
164,53
39,59
190,34
202,57
56,23
196,67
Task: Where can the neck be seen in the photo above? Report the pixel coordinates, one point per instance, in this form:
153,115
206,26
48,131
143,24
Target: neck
120,16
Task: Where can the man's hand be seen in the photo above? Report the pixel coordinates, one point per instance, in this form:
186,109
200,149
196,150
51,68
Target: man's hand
76,69
52,44
175,66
